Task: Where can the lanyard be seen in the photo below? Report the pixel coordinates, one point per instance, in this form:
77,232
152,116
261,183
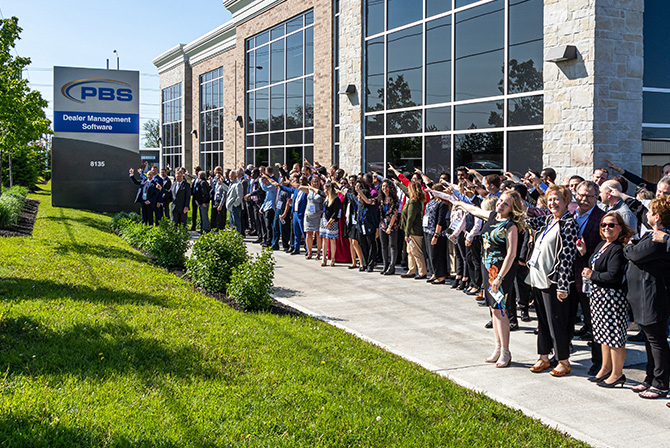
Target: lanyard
546,230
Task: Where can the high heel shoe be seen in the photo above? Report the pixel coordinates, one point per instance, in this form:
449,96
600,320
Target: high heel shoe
598,379
494,356
620,381
332,263
505,358
323,263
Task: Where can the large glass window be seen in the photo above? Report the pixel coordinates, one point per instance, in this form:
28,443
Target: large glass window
656,92
445,85
171,120
280,92
210,134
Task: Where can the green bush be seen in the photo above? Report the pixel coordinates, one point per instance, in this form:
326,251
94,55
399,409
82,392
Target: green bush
168,243
11,205
135,233
27,164
213,258
251,283
122,219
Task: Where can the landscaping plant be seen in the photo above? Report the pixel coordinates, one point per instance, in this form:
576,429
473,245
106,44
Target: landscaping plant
11,205
213,258
251,283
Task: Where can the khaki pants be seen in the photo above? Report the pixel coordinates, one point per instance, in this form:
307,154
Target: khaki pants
415,258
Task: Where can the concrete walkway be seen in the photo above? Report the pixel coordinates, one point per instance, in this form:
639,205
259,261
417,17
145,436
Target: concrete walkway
443,331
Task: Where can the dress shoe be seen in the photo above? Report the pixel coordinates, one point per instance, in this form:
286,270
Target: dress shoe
371,268
597,379
420,277
582,331
513,326
408,275
436,282
455,283
352,266
430,280
494,356
489,324
389,272
619,382
362,269
525,317
295,252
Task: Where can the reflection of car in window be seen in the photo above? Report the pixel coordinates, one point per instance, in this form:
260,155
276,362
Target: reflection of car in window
485,167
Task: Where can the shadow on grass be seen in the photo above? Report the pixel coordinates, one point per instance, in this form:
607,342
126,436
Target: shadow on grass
99,251
17,288
36,432
103,350
83,220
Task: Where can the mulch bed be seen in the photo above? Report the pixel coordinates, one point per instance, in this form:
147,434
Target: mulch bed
24,227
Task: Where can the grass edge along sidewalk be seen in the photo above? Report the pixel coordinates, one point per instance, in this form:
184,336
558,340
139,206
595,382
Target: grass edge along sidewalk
98,347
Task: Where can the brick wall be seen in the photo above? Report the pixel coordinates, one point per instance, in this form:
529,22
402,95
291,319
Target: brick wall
181,74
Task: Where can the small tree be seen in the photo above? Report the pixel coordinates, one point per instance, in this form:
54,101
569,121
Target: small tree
152,133
22,118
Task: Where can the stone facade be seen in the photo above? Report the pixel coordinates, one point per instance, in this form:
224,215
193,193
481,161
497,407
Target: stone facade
351,72
593,105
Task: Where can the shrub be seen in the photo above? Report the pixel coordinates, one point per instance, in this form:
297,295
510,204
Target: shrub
213,258
121,219
27,164
135,233
11,205
251,283
168,243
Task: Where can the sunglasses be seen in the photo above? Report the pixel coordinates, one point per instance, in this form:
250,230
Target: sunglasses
608,225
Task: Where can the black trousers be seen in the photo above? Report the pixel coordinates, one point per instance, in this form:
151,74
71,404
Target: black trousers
179,217
369,248
286,233
218,218
389,245
459,248
553,318
259,223
658,354
194,213
577,297
521,288
439,257
428,254
268,221
473,256
147,214
165,210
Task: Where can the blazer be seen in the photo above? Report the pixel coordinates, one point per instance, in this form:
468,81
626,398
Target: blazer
302,204
167,190
592,238
181,198
609,268
647,280
153,195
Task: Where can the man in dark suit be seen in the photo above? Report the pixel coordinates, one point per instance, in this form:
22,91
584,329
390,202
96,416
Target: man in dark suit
194,217
147,195
167,193
588,217
181,195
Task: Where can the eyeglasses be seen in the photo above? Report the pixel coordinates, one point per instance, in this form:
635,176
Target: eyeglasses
608,225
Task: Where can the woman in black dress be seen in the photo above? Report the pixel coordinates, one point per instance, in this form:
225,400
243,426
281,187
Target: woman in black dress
647,278
500,236
607,299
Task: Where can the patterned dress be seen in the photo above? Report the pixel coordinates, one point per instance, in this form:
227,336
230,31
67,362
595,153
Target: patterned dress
609,312
494,251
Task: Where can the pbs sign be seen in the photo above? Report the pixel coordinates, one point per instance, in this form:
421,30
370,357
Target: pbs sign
103,89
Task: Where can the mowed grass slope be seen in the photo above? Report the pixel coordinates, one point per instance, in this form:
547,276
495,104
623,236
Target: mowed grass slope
100,348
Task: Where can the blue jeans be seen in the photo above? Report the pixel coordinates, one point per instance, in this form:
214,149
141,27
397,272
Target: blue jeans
276,230
235,215
204,217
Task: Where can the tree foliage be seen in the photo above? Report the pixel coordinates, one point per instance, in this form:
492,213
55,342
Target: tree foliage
152,133
22,118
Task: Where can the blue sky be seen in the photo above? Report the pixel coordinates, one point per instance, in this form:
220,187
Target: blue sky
82,33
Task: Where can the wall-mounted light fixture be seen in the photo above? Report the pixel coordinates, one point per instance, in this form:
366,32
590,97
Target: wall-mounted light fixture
240,120
562,53
194,133
348,89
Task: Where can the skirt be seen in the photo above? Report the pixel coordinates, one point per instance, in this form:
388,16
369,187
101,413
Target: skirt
609,316
331,232
312,223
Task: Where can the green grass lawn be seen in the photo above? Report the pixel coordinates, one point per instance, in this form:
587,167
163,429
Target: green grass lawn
100,348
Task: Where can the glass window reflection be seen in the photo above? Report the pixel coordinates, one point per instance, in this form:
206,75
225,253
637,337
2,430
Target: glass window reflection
405,62
438,61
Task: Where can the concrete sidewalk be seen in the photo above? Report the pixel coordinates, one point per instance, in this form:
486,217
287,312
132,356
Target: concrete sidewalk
443,331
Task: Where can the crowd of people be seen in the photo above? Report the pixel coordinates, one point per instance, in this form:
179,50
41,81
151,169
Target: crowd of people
513,241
